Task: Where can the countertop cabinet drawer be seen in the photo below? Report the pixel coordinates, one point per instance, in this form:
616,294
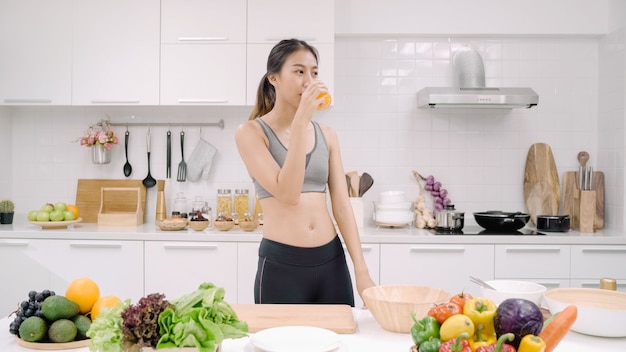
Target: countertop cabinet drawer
532,261
595,262
443,266
178,268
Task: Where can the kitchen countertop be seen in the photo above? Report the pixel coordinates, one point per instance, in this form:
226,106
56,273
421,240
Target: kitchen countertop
22,229
369,337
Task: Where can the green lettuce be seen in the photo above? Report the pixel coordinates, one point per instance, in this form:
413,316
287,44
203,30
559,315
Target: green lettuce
106,331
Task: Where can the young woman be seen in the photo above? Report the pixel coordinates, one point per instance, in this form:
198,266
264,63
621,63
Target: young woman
293,162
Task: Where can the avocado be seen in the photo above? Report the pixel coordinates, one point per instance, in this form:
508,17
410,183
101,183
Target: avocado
33,329
59,307
62,330
82,325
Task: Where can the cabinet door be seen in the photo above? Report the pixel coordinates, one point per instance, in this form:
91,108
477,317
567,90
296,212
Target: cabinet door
273,20
203,21
437,265
596,262
247,259
532,262
257,65
22,270
35,54
116,52
371,253
203,74
178,268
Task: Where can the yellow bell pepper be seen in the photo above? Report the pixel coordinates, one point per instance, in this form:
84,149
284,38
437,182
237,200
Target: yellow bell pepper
532,343
480,340
482,312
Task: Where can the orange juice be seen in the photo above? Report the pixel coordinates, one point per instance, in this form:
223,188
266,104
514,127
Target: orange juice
327,100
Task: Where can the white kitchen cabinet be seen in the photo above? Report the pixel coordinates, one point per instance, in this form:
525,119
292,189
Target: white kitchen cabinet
550,263
590,263
116,52
445,266
176,268
247,259
203,21
116,266
371,253
36,52
203,74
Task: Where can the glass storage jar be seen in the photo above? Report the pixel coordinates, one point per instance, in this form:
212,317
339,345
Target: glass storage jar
224,201
242,203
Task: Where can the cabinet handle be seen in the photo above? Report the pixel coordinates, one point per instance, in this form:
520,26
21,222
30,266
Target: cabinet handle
603,250
202,101
363,248
437,249
95,245
190,246
202,39
277,39
27,101
533,250
106,101
13,244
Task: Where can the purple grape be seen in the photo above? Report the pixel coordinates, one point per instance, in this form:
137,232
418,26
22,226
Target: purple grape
437,186
430,180
428,187
438,200
443,193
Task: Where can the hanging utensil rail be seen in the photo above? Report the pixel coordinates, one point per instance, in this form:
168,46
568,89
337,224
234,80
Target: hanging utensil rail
219,124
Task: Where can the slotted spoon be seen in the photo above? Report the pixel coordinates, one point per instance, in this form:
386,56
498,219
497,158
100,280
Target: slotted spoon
182,166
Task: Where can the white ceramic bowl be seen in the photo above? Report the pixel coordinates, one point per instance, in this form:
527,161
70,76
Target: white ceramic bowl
600,312
394,216
514,289
378,206
391,197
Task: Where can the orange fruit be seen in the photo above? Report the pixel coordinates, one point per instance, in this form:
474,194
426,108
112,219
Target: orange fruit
84,292
104,302
73,209
326,102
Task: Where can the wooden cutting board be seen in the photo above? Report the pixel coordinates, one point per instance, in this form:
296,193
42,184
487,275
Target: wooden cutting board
88,196
334,317
542,190
570,196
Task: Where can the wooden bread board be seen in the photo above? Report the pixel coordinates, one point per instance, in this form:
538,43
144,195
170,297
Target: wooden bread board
542,190
88,196
334,317
53,346
571,199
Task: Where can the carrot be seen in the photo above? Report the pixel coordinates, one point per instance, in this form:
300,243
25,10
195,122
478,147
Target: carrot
557,328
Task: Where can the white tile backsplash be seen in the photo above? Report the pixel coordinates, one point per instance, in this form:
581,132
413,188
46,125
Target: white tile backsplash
478,155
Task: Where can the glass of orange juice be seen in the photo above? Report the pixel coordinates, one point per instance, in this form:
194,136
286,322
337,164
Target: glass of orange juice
326,102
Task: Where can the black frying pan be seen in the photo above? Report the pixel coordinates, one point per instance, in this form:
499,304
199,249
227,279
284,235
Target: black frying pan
501,221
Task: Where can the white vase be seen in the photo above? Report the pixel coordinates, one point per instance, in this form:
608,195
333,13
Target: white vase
100,154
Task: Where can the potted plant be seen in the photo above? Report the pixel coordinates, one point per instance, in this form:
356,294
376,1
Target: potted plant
7,208
101,139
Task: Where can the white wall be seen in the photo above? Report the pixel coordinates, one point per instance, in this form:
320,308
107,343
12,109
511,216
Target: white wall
6,161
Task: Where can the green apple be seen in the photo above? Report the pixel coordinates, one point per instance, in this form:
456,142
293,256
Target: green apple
32,215
47,208
60,206
56,215
43,216
68,215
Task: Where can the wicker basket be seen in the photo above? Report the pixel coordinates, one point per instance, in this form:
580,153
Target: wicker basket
224,225
172,224
199,225
249,225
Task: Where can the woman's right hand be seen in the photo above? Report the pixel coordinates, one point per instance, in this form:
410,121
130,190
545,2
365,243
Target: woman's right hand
309,101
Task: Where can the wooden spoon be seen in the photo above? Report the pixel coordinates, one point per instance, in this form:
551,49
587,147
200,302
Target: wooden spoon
354,183
365,183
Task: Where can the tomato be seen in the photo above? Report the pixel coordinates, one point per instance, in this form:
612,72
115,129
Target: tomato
460,298
443,311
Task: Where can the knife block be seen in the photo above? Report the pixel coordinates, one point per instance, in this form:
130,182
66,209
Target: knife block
578,203
584,215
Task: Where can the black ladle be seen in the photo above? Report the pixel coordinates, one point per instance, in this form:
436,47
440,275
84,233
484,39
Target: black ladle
128,169
149,181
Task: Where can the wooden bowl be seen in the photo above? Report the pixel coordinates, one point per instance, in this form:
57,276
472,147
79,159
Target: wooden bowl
392,305
600,312
223,225
199,225
249,225
172,224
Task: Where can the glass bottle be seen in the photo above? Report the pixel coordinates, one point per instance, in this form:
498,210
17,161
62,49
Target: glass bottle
258,210
224,201
242,203
180,203
196,207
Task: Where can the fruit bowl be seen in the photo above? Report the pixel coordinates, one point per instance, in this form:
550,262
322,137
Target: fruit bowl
505,289
392,305
55,224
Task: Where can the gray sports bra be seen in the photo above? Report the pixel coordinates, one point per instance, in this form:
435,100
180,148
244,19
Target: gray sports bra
316,171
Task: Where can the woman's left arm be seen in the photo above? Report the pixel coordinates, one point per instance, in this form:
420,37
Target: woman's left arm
342,211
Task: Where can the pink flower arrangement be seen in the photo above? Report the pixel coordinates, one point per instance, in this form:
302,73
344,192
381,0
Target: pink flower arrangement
99,133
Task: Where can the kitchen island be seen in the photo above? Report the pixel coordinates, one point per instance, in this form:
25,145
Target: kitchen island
369,337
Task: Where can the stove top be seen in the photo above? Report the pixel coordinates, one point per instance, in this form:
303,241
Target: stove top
479,231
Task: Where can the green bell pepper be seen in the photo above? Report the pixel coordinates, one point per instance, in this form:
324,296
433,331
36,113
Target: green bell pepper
423,330
431,345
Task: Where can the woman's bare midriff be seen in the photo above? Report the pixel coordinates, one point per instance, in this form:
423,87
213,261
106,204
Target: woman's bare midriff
306,224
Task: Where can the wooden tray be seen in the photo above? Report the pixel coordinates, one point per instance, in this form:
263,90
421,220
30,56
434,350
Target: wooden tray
49,346
334,317
88,196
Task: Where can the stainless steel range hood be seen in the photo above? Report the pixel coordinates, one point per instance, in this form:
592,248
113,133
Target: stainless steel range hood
471,92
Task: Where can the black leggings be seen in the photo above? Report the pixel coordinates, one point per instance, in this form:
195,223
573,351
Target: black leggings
288,274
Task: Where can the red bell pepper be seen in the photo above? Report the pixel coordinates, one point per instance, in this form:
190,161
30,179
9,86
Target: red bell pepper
460,344
500,346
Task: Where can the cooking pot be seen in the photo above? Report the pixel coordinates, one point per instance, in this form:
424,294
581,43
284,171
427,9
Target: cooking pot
553,223
449,219
501,221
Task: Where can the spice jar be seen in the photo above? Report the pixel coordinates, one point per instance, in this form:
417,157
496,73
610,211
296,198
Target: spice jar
224,201
242,205
180,203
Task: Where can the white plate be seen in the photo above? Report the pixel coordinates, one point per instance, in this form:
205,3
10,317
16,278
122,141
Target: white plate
295,338
55,224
